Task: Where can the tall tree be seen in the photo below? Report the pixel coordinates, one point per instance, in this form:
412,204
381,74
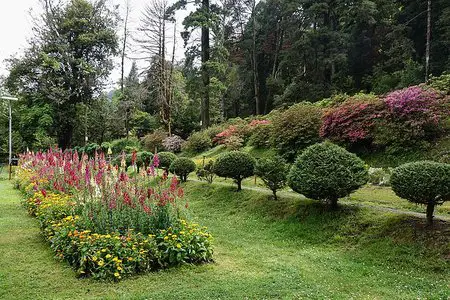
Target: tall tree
68,59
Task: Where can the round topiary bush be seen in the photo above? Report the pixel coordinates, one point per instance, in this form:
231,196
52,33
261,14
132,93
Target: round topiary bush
181,167
235,164
165,159
273,172
423,182
197,142
326,171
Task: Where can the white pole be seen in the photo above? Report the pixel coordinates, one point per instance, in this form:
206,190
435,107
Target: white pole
10,132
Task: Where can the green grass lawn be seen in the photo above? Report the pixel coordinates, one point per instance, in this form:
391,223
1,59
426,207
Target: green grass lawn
291,249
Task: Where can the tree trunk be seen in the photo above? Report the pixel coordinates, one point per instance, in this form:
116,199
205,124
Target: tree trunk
205,72
124,45
274,194
430,210
427,51
255,63
239,184
334,203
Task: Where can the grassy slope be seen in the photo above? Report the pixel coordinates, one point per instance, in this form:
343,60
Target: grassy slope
264,249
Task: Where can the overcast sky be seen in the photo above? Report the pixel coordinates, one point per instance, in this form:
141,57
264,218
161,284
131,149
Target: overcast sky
16,24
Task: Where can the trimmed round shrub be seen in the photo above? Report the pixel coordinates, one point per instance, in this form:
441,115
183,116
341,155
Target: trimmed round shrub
173,143
165,159
198,142
273,172
144,158
423,182
235,164
295,129
206,172
154,141
181,167
326,171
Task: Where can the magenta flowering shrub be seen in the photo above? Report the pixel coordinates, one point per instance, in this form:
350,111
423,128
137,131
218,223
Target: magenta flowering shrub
413,116
353,121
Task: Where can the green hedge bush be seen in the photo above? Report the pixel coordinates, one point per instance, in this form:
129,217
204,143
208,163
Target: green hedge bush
423,182
273,172
295,129
326,171
181,167
166,159
235,164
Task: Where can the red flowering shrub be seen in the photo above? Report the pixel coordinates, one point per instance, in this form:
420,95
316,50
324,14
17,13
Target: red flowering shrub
353,121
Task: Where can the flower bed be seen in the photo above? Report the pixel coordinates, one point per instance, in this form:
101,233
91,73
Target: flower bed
106,224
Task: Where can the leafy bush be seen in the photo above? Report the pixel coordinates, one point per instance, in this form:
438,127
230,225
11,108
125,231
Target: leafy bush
173,143
181,167
154,141
273,172
260,137
441,83
423,182
353,121
127,145
295,129
233,142
197,142
206,172
413,116
235,164
144,158
165,159
327,172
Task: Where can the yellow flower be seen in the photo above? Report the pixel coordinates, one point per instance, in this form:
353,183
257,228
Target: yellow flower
101,263
166,238
94,258
103,250
181,232
119,268
116,274
130,259
108,256
174,236
178,245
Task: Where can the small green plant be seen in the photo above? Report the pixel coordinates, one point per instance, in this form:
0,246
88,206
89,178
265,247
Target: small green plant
206,173
235,164
326,171
181,167
154,141
273,172
165,159
127,145
423,182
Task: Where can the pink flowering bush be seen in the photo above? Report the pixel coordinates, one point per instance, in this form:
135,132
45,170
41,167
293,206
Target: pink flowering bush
413,116
354,120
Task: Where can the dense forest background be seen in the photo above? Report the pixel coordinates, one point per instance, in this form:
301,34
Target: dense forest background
242,57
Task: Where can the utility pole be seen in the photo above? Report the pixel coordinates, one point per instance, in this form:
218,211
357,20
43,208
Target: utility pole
9,99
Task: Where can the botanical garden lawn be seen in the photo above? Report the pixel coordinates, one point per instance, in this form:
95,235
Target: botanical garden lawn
291,248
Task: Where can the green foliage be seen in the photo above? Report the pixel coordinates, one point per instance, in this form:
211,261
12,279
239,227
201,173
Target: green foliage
142,123
181,167
206,172
273,172
295,129
124,144
154,141
144,158
198,142
236,165
380,176
260,137
423,182
327,172
166,159
441,83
